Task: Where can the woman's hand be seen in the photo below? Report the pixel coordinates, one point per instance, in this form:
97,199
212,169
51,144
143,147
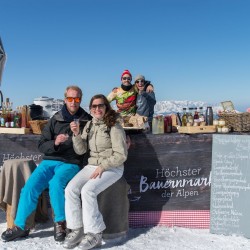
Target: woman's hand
150,89
128,141
97,172
75,128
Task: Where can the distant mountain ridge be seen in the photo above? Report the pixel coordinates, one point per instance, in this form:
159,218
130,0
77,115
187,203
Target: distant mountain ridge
168,107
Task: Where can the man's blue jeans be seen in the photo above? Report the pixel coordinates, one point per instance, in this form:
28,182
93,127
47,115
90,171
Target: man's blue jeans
54,175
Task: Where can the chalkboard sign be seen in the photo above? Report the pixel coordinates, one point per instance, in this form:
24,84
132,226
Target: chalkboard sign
230,185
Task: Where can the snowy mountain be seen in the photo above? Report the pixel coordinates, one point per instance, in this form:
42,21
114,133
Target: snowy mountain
168,107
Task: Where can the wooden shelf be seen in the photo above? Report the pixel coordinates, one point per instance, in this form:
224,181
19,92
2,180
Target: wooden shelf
15,131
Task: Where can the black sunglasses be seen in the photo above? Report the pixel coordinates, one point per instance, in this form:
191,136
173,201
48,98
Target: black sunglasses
126,78
100,106
137,81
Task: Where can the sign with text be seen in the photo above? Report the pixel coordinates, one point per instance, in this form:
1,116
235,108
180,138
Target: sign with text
169,172
14,146
230,185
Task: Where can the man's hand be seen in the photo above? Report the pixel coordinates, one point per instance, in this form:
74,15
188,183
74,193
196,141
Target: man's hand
61,138
114,90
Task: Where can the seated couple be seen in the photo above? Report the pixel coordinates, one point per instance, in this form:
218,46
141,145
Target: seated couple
64,144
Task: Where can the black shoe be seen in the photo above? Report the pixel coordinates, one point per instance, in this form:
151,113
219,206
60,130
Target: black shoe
60,231
13,233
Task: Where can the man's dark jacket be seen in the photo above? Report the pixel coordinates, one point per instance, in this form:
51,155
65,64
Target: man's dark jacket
64,152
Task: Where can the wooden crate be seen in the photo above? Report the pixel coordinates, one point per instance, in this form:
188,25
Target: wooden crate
197,129
15,131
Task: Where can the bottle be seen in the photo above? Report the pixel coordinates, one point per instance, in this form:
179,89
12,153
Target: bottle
11,121
167,124
184,117
196,117
1,120
17,123
201,115
190,118
209,116
3,115
178,116
9,114
24,117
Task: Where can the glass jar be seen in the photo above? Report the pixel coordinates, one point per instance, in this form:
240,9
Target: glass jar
158,125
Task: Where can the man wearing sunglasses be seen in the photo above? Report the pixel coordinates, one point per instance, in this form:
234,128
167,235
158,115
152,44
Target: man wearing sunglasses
59,165
125,96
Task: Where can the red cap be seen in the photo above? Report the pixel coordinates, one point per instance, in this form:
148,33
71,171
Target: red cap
126,72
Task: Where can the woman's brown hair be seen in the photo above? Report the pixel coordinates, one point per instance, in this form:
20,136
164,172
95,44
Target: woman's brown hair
111,117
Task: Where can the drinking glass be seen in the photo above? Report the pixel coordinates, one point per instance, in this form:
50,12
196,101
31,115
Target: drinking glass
76,120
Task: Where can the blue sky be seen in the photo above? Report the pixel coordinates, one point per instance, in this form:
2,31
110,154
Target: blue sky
195,50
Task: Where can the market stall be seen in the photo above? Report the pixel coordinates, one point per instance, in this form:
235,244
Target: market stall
169,173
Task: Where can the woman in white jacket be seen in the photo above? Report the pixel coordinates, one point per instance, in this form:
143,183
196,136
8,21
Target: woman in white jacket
106,140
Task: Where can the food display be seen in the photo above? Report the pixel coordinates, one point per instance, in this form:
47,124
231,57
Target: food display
134,122
194,120
125,122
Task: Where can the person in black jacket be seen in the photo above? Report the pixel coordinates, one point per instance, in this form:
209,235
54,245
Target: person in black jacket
59,165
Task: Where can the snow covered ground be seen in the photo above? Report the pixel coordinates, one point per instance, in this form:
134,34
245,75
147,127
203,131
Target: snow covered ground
153,238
